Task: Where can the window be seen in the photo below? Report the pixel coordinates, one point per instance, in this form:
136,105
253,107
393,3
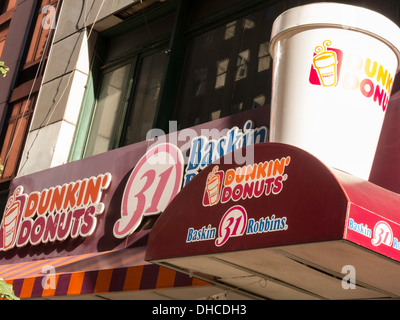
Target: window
6,5
108,110
226,70
190,61
122,96
141,118
114,107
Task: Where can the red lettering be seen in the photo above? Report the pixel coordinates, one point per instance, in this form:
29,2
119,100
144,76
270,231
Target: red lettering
367,88
70,195
31,205
57,201
44,203
226,194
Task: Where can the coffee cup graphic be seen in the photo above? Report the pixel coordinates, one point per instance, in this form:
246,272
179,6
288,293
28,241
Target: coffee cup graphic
213,186
10,225
11,219
325,62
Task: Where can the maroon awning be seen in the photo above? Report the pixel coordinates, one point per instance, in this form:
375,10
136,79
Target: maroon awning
282,225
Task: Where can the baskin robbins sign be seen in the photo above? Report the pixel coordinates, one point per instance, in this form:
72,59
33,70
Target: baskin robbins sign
109,201
265,179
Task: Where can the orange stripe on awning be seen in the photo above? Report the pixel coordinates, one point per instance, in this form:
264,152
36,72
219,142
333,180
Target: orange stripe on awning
103,281
166,278
27,288
75,285
133,278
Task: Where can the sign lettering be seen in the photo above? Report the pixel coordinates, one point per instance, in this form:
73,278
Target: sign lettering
54,214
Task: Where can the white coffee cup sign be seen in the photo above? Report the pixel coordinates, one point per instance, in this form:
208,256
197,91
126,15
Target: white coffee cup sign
334,69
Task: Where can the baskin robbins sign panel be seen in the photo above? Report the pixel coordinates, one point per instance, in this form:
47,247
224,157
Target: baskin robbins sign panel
111,201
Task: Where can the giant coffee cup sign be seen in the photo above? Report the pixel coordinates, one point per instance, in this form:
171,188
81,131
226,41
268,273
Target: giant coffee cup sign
334,69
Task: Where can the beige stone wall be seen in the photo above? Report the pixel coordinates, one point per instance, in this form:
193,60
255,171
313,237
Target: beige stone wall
54,122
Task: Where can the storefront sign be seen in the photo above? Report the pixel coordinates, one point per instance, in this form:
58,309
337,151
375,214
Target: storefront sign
54,214
326,75
159,175
236,223
205,151
374,232
155,181
285,197
49,216
233,185
249,181
370,78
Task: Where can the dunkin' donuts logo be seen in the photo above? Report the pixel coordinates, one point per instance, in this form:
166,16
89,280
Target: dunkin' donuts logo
265,178
54,214
363,75
326,67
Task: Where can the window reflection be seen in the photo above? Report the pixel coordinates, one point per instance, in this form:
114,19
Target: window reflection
264,58
230,30
215,115
227,70
259,101
249,22
222,69
242,65
200,80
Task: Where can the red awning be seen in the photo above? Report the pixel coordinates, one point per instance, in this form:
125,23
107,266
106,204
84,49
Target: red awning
297,238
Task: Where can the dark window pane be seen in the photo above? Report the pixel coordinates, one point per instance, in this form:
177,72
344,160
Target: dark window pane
108,111
227,70
143,110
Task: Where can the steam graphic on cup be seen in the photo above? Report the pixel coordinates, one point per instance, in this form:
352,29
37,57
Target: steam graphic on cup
325,62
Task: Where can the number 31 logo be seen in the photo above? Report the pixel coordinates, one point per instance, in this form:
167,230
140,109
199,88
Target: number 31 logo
233,224
383,234
155,181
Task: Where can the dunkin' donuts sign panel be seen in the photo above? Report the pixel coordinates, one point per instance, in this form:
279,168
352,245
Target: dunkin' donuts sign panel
55,214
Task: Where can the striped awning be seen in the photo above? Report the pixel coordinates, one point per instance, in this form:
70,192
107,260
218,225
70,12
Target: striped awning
114,271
